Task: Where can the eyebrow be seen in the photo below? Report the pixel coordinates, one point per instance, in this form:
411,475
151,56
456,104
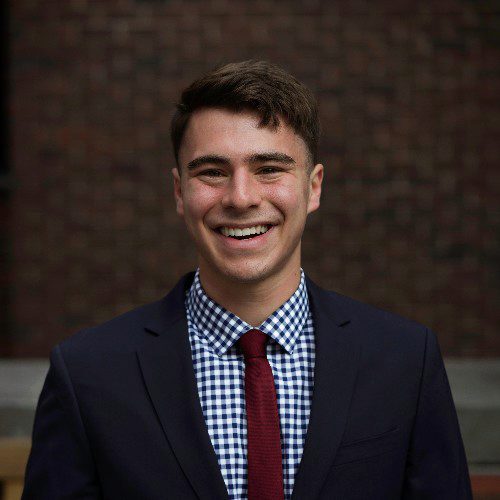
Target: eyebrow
211,159
267,156
273,156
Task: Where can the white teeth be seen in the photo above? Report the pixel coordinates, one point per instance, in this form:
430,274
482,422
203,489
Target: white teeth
247,231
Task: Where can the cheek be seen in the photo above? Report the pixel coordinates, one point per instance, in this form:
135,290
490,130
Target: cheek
286,197
198,202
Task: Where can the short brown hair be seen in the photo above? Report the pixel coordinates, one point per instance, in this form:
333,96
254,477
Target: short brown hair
258,86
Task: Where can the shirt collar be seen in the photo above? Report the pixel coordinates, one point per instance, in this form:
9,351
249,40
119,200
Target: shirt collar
221,328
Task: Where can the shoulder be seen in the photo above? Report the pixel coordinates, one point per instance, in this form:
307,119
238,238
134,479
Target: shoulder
123,332
376,316
372,325
128,331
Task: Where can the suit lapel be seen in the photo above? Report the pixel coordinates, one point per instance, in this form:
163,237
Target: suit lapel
337,355
167,368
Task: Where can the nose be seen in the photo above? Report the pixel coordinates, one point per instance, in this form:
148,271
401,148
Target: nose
242,192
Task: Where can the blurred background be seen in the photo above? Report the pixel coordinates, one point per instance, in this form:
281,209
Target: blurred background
409,98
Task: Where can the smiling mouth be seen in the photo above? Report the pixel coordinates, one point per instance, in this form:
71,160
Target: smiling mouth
244,233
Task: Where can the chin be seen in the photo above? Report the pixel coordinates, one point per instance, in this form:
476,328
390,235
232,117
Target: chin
246,273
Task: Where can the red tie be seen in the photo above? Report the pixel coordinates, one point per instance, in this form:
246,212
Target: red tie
265,473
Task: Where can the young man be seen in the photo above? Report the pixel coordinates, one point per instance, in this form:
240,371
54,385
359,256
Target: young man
247,380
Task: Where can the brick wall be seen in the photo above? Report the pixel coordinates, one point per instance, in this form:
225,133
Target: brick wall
409,99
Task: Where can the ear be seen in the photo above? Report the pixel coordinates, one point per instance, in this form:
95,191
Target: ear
315,181
178,192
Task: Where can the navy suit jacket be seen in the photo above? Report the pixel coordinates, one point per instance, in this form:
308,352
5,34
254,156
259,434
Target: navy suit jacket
119,416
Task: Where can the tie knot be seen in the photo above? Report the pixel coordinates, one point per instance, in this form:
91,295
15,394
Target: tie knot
253,344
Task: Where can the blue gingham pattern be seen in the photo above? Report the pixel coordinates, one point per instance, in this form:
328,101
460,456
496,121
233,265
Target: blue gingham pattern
220,370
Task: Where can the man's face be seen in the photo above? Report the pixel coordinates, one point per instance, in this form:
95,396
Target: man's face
239,178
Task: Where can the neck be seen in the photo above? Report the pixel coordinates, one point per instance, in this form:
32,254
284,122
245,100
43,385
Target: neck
251,301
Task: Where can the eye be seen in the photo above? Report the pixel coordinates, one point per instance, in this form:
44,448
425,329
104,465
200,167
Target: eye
212,172
270,170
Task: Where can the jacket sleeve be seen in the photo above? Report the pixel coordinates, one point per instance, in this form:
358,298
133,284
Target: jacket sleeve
60,463
436,464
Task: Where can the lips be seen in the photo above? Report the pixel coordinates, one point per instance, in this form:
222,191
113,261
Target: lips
244,232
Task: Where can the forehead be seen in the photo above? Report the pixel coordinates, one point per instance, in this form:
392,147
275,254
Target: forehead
237,135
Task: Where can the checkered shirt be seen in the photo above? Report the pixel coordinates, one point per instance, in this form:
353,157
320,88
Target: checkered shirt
220,370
